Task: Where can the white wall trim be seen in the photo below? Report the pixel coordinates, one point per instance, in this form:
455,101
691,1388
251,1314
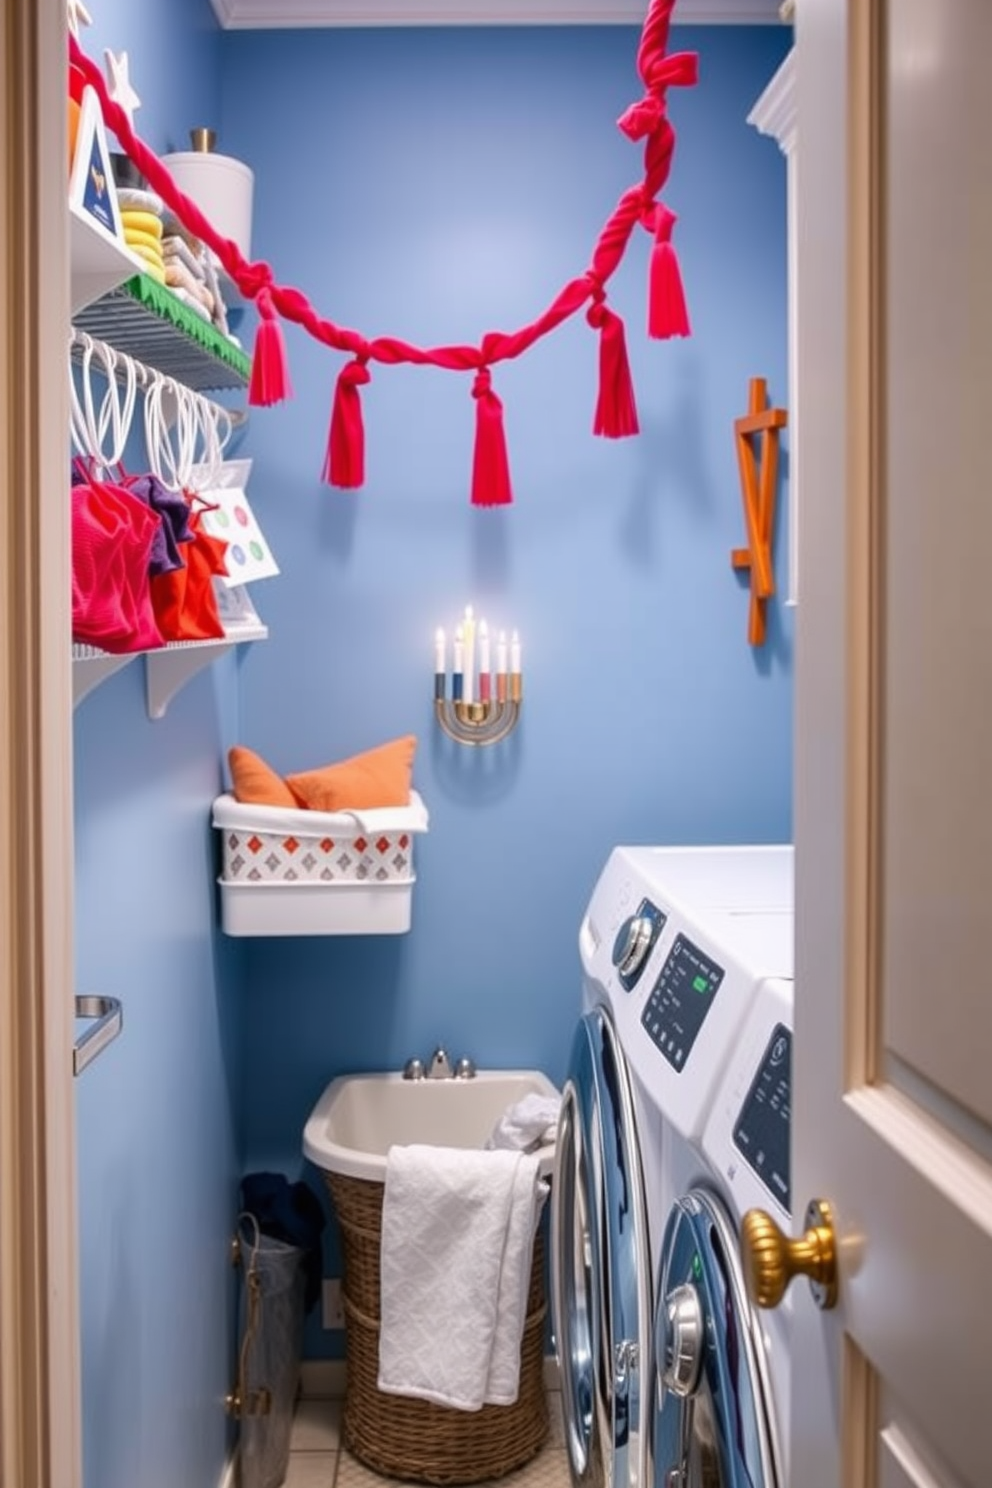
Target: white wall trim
293,14
225,10
775,111
229,1477
776,115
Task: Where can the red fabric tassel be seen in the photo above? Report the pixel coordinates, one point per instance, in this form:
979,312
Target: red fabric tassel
667,313
269,368
616,409
344,463
490,466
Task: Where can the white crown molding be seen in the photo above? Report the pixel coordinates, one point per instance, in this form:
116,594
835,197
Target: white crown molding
774,113
294,14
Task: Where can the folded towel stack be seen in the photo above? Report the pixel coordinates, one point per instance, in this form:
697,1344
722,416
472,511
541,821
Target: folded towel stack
191,275
141,220
527,1125
457,1243
186,276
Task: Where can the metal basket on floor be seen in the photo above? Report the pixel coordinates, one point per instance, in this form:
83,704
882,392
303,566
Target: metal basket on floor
416,1439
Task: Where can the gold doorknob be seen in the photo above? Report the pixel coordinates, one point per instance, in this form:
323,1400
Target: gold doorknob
771,1259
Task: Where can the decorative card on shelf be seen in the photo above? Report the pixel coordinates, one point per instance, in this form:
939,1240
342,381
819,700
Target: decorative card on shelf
91,183
249,556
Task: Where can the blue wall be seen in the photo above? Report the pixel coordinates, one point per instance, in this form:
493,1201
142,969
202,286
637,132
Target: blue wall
434,184
157,1113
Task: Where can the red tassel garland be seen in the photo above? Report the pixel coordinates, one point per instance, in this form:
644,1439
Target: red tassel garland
667,313
269,368
490,466
344,463
616,408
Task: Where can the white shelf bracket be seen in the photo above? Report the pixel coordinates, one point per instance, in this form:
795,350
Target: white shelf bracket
90,667
168,671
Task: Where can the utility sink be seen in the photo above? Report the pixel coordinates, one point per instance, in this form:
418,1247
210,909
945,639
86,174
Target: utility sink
359,1117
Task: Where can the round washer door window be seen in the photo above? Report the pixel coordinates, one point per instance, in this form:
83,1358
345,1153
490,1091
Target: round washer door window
601,1271
715,1424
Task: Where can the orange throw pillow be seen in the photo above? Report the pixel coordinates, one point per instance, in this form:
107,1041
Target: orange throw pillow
379,777
255,782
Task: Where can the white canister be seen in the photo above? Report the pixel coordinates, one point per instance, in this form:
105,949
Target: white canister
221,187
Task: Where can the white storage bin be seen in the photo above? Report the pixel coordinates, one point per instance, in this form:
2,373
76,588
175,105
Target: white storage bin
290,872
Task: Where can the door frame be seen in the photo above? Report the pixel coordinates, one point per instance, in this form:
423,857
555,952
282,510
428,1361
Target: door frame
40,1431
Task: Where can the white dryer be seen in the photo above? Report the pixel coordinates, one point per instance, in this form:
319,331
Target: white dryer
679,948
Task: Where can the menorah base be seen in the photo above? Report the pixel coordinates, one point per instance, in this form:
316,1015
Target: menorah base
477,723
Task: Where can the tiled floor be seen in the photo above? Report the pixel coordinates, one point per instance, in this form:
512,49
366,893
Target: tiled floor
318,1460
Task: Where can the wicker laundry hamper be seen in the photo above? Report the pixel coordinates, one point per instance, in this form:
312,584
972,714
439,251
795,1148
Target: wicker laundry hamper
416,1439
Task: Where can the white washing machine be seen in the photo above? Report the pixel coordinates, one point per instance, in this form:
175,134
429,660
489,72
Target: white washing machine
673,1122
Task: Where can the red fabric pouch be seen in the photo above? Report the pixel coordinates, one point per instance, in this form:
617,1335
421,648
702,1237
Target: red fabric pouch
112,536
184,600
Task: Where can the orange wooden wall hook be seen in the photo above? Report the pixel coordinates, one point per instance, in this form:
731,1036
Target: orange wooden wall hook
759,479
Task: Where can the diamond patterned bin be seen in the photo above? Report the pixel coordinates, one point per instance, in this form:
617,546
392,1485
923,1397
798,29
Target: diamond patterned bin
297,872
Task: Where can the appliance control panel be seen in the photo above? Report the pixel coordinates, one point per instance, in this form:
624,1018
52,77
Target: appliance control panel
680,999
762,1129
634,942
748,1135
677,942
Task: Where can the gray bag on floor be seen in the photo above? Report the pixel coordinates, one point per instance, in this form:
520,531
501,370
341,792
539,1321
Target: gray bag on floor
272,1313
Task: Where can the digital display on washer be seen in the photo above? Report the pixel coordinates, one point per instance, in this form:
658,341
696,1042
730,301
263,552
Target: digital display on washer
680,1000
761,1135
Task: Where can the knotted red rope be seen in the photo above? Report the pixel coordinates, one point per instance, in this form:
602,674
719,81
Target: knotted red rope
616,410
616,414
667,315
344,463
490,466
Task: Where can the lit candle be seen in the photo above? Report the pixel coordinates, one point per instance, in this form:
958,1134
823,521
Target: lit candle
501,668
485,665
457,681
515,652
468,631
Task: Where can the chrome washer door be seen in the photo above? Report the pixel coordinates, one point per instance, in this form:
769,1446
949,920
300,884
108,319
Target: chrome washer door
601,1268
715,1424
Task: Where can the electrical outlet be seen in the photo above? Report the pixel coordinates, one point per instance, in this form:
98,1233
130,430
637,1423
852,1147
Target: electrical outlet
331,1303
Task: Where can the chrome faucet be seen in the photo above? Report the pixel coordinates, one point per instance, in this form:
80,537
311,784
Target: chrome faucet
439,1067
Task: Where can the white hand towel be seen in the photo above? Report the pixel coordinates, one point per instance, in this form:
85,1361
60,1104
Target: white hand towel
528,1123
448,1269
529,1194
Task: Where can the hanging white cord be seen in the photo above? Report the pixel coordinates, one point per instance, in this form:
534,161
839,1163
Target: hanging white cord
170,456
88,428
212,419
77,420
189,423
151,418
121,415
97,424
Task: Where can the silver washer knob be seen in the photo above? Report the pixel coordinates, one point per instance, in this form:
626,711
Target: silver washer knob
631,945
680,1351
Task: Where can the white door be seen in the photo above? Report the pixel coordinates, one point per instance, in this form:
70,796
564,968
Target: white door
892,1088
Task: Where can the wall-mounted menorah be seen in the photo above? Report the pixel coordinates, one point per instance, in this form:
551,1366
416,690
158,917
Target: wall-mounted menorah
484,706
